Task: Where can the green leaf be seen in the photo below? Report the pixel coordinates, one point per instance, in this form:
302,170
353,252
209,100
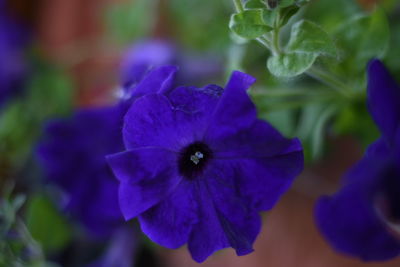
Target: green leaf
365,37
308,37
249,24
288,12
255,4
290,64
270,16
318,134
285,3
46,224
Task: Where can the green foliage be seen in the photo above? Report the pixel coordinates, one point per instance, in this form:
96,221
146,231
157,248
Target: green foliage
46,224
131,19
249,24
17,247
48,94
308,37
365,129
290,64
363,37
255,4
199,24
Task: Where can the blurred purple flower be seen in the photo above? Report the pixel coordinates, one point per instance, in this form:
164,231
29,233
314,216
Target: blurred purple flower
13,40
199,166
363,218
121,250
73,156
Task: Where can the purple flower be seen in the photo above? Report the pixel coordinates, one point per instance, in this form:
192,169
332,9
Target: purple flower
362,219
13,39
199,167
73,156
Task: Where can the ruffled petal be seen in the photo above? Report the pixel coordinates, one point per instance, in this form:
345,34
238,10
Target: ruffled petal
259,139
350,220
147,176
225,218
158,80
383,99
153,121
263,180
234,110
170,222
192,99
351,226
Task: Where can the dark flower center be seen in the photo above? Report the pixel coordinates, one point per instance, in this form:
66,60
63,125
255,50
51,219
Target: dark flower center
392,194
193,159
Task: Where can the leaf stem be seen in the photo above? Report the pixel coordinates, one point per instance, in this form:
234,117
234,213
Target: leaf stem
329,80
238,6
265,42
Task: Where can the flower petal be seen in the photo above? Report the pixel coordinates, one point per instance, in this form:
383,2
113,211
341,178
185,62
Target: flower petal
350,225
234,110
259,139
263,180
170,128
170,222
147,176
225,219
158,80
383,99
192,99
349,219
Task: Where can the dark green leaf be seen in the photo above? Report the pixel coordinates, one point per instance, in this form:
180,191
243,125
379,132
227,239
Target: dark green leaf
287,13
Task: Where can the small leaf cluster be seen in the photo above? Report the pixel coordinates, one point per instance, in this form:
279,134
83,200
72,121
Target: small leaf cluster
263,21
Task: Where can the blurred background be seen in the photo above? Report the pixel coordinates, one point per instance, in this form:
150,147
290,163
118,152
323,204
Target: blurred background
70,55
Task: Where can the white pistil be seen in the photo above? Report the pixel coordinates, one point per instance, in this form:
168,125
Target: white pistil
196,157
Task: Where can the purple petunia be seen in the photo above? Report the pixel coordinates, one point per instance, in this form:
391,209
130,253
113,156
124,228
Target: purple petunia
13,39
363,218
72,154
199,166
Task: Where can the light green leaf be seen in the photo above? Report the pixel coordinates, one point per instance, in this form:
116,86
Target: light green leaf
290,64
249,24
46,224
308,37
318,134
270,16
365,37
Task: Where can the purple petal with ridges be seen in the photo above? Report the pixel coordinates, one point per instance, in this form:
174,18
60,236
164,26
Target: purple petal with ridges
192,99
234,110
170,222
348,221
159,80
263,180
383,99
225,219
154,179
170,128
